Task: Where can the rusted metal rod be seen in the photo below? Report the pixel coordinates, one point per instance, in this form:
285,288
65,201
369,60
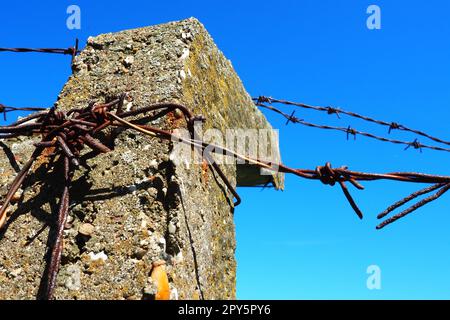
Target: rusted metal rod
56,250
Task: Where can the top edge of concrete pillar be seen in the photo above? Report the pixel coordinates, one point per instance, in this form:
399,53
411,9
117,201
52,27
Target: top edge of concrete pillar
178,62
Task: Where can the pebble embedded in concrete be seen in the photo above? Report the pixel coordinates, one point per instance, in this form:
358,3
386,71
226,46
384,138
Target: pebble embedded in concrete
16,272
128,61
86,229
98,256
172,228
73,280
153,164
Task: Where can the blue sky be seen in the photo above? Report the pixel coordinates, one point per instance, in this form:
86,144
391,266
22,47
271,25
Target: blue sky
305,242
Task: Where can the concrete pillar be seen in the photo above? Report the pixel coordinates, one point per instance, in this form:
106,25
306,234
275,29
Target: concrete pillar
136,205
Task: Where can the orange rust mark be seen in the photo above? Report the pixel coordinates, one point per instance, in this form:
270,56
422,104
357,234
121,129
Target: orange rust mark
205,168
174,120
3,218
159,276
43,157
16,197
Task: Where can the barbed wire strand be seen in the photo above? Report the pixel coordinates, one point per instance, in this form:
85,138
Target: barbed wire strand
6,109
409,198
72,51
65,51
70,134
325,174
351,131
96,115
418,205
337,111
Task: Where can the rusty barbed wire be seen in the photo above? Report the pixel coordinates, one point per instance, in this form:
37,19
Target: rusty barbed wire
6,109
351,131
72,51
332,110
68,132
326,174
330,176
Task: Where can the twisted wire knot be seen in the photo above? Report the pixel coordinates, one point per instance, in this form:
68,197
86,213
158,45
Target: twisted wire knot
351,131
71,51
327,175
332,110
292,118
100,111
415,144
393,126
197,118
60,116
262,99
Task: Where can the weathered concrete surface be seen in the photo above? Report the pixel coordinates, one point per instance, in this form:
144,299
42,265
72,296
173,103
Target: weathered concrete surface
134,206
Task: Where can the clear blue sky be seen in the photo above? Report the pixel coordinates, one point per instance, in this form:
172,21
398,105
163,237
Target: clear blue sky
305,242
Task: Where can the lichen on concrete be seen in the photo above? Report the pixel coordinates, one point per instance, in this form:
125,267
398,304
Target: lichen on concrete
134,205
